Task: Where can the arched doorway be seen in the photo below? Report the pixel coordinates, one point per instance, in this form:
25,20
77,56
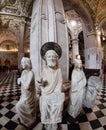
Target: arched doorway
8,49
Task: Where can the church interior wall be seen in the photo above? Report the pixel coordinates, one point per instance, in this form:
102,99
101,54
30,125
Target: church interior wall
11,56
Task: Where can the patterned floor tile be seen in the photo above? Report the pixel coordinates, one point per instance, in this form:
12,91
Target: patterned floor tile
91,119
85,126
95,124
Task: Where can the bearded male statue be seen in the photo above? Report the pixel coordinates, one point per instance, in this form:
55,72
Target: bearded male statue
51,100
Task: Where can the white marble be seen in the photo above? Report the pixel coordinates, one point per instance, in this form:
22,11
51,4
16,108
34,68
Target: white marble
93,51
47,21
25,108
75,49
94,83
77,92
51,99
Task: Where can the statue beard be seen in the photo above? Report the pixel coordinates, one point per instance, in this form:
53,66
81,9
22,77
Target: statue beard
51,64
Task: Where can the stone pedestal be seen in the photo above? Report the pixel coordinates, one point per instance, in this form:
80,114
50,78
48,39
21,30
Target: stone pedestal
48,24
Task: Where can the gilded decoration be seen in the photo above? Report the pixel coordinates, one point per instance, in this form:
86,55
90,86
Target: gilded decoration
51,46
12,2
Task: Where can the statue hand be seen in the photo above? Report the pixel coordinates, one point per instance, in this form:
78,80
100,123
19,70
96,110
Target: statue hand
19,81
42,82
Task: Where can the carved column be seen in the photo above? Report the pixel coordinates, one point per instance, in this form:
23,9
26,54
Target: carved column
21,43
48,24
91,56
75,48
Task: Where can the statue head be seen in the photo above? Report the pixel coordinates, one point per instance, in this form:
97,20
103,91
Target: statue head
78,57
78,63
26,63
51,52
51,58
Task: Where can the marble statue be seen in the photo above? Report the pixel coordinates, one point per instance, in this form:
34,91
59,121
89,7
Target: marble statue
77,91
51,99
25,108
94,83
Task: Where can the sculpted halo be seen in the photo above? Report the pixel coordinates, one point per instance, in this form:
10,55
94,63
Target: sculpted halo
50,46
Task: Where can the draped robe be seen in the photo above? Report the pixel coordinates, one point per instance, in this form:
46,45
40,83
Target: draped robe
51,100
25,108
77,92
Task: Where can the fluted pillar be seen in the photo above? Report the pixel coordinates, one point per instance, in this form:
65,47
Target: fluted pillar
75,49
48,24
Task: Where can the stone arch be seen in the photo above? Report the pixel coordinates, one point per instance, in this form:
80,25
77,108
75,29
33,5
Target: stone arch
82,11
7,35
90,41
103,21
101,18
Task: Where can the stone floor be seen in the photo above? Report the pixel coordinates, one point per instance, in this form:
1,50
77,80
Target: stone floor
94,119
